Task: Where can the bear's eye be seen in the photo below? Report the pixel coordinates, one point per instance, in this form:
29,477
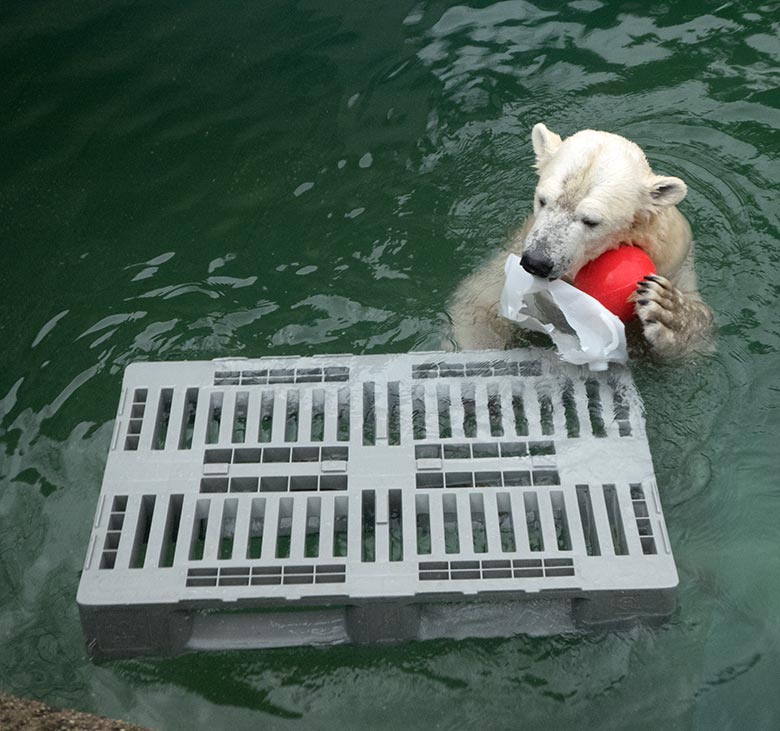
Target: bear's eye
590,222
542,201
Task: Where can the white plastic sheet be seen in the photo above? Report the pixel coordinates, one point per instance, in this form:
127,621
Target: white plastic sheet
583,330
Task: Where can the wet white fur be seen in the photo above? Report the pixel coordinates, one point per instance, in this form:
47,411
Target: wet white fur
605,179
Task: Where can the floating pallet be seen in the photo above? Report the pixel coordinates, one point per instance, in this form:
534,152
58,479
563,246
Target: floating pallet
320,500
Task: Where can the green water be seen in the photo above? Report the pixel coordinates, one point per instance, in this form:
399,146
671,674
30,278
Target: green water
194,179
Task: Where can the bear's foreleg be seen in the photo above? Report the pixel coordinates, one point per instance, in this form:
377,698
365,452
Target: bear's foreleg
476,323
675,323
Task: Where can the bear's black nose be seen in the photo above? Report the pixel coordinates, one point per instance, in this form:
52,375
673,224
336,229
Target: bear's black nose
538,266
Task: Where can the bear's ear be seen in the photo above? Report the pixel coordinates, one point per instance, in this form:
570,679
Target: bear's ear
666,191
545,144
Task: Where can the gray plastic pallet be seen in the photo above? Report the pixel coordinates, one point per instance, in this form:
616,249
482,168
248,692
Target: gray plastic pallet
289,501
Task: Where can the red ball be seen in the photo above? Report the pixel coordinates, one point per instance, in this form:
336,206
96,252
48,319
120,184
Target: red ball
613,277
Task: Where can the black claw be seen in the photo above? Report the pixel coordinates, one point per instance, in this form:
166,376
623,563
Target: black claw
643,302
649,321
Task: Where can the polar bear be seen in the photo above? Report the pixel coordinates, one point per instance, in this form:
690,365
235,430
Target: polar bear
596,191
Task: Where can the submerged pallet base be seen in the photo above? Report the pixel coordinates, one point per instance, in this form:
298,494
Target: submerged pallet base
305,501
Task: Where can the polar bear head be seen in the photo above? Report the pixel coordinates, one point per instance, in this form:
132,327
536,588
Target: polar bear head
595,191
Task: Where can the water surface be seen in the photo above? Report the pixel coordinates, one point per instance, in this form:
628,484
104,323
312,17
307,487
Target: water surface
194,179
